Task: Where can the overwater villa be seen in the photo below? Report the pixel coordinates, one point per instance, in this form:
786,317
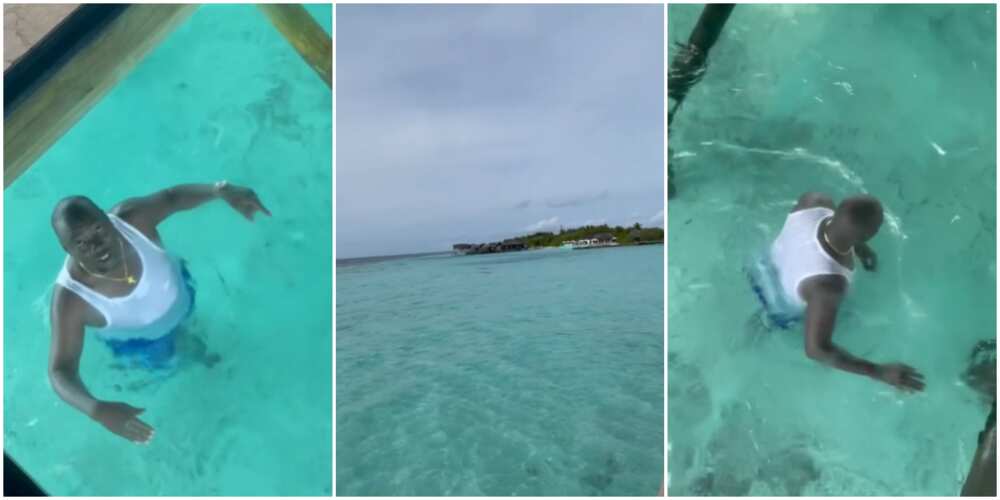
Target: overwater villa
508,245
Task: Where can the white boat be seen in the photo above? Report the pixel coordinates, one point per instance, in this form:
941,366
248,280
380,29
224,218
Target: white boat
599,241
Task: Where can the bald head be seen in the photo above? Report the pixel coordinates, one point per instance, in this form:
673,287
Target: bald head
73,213
861,216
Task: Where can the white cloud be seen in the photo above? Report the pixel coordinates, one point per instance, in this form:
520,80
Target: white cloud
657,219
543,225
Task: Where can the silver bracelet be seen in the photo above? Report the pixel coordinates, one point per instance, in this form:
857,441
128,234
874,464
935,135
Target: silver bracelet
217,187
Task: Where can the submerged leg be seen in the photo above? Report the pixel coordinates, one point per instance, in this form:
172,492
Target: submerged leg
193,348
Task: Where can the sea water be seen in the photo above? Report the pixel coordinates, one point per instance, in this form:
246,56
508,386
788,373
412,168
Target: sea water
895,101
224,97
530,373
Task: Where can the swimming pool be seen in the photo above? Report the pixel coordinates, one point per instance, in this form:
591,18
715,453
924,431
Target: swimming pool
897,101
526,373
224,97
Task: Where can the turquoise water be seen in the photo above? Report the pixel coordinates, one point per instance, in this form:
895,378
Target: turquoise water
224,97
530,373
896,101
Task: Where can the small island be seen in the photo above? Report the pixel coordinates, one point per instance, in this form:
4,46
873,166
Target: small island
586,237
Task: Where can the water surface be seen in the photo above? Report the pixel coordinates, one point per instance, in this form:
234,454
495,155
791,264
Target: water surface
896,101
224,97
528,373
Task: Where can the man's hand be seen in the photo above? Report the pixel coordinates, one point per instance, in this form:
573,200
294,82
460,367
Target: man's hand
123,420
900,376
243,200
869,260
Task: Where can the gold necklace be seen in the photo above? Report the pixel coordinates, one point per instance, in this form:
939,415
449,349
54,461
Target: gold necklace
827,240
128,276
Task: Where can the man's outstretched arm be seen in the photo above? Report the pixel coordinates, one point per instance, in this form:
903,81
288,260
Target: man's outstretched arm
821,318
64,374
982,478
65,352
153,209
823,296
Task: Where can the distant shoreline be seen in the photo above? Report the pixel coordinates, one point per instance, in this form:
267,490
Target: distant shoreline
360,261
579,238
357,261
372,259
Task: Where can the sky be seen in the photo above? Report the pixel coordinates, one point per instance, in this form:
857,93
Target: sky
475,123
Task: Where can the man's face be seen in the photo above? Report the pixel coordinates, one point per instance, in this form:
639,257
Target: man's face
95,243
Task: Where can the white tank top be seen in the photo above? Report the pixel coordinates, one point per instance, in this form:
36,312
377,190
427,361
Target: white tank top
797,254
157,304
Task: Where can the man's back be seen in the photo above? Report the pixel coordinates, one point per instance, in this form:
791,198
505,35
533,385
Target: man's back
798,255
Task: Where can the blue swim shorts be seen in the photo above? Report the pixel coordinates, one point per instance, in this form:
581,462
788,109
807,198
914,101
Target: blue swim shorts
767,288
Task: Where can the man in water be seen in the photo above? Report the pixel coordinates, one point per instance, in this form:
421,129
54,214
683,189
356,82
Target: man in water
981,376
982,478
119,280
814,259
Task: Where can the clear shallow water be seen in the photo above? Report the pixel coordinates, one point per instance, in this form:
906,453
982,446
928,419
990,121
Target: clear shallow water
224,97
532,373
840,99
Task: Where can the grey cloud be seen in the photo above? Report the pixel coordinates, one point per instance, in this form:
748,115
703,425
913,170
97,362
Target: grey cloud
447,115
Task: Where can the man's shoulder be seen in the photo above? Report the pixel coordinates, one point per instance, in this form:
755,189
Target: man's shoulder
71,308
826,287
64,299
127,210
813,199
135,214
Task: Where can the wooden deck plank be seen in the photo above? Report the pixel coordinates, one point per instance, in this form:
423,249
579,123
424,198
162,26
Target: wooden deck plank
62,100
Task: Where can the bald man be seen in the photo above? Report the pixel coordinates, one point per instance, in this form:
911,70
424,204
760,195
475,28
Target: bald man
982,478
814,259
119,280
981,375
